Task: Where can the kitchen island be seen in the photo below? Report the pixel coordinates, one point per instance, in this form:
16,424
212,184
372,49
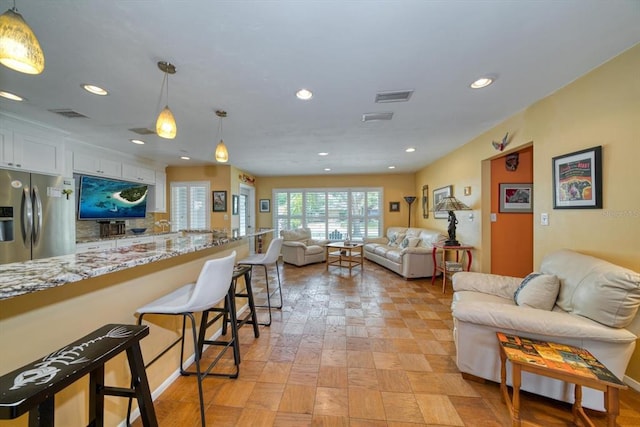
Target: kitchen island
46,304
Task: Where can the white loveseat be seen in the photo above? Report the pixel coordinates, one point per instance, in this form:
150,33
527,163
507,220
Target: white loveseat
298,248
406,251
596,308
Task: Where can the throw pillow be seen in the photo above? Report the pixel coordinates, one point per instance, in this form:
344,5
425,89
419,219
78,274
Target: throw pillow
538,290
397,241
392,238
410,242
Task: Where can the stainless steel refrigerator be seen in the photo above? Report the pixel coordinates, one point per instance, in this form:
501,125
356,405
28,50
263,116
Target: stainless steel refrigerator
37,216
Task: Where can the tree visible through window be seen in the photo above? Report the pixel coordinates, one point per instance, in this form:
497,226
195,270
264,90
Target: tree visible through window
190,206
330,214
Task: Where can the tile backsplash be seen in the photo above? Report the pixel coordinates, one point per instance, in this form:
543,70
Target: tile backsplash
86,230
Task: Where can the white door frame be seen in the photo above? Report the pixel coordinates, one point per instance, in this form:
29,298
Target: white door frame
250,192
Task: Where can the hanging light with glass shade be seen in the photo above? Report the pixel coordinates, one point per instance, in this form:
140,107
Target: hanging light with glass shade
222,155
166,124
19,47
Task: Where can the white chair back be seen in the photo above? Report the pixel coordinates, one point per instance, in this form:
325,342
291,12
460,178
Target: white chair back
273,251
213,283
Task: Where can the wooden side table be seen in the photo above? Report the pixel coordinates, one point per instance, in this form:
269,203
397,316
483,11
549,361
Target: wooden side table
344,255
563,362
443,266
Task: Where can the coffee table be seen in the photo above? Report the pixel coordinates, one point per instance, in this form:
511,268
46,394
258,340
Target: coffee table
563,362
344,255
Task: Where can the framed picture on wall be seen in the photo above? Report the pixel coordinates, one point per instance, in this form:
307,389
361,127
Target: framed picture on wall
425,201
394,206
577,180
516,198
265,205
439,194
219,201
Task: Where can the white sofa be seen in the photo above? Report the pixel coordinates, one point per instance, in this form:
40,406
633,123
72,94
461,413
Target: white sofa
595,308
298,248
406,251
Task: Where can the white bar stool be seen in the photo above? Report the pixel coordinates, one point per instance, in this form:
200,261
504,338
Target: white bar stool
265,260
213,286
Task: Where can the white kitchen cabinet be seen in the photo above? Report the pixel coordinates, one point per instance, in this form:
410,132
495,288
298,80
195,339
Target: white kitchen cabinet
158,197
120,243
92,164
39,154
101,245
6,149
31,153
68,164
138,174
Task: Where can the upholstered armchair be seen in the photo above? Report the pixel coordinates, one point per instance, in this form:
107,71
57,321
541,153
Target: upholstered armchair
298,248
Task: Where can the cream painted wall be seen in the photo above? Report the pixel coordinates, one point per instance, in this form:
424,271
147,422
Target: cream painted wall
600,108
219,177
236,179
396,186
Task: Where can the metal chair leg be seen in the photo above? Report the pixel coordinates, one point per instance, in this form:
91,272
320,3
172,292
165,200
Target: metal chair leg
269,293
279,284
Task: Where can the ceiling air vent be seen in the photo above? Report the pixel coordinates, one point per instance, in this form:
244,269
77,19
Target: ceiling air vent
142,131
371,117
395,96
70,114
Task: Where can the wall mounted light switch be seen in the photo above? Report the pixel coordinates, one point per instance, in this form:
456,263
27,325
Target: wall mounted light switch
544,218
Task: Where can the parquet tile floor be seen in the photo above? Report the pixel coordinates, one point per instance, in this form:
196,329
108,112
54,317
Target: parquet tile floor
371,349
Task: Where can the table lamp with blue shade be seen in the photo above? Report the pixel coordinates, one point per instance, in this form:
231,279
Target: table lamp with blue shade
451,204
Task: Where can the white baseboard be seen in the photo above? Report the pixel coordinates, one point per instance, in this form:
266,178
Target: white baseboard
175,374
632,383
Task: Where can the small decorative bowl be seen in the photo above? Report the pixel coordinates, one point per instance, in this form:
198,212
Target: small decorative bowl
138,230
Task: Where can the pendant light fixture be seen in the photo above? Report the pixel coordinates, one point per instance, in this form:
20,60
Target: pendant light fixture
166,124
222,155
19,47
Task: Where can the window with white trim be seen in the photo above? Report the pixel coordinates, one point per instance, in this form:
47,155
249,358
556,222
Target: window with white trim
189,206
333,214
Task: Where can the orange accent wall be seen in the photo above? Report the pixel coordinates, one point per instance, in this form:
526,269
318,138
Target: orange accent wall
512,233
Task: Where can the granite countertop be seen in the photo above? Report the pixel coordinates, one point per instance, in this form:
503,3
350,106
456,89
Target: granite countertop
22,278
126,236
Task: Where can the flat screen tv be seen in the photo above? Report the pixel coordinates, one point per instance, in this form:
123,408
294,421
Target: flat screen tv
105,198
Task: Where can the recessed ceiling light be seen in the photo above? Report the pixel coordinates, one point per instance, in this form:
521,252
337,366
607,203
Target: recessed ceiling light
11,96
327,169
96,90
410,150
323,154
185,157
304,94
482,82
391,167
137,141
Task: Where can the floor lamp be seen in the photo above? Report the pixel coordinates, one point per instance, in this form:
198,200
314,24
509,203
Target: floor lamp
409,200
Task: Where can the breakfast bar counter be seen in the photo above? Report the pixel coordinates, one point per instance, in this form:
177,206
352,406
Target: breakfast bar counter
31,276
46,304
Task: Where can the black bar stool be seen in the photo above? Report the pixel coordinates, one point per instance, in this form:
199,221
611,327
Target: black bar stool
33,387
251,317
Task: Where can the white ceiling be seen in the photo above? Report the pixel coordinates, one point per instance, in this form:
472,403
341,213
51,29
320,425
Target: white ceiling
250,57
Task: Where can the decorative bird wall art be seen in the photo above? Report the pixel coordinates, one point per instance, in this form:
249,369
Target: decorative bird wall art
500,145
